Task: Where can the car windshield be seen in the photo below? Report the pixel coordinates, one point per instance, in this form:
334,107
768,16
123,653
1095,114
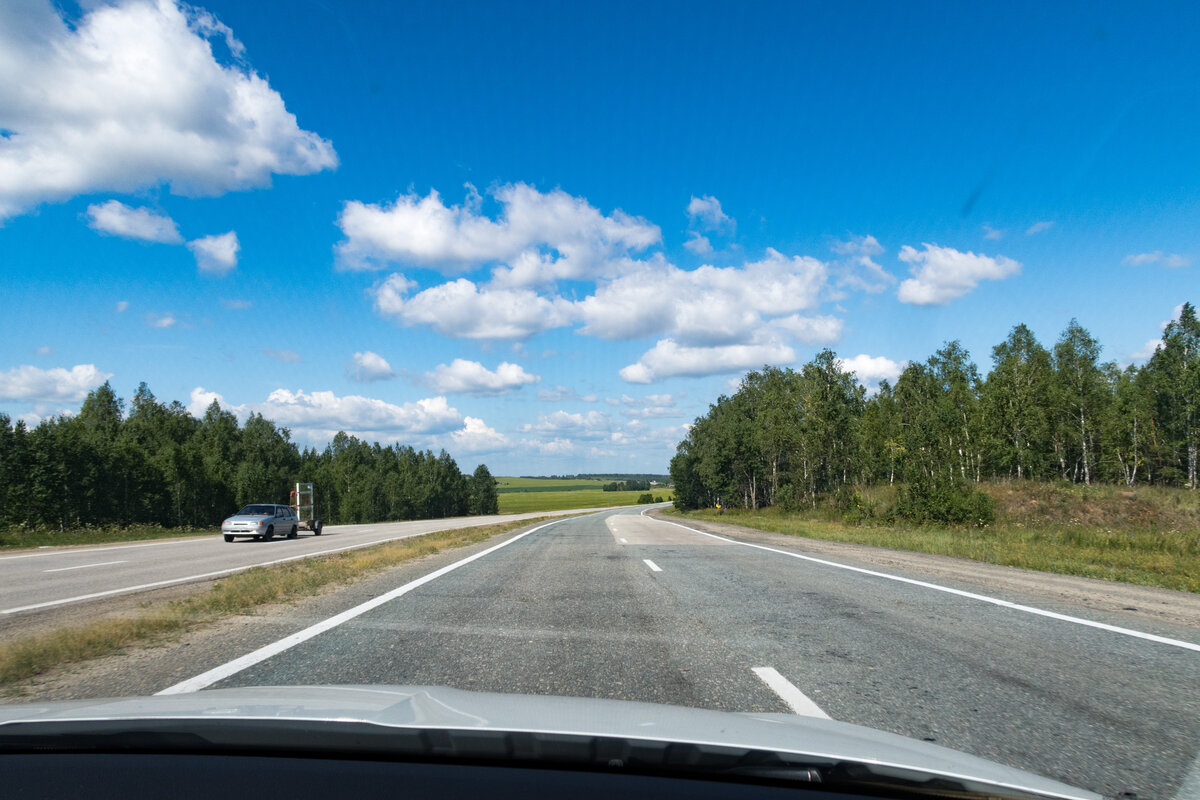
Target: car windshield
257,511
832,360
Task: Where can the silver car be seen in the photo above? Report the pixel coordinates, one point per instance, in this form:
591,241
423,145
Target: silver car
261,521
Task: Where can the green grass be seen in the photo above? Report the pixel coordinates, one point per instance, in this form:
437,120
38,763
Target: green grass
16,537
32,655
539,484
521,502
1147,555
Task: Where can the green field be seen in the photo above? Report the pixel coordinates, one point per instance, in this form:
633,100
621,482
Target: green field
543,484
537,500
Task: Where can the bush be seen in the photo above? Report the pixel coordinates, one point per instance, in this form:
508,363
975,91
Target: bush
645,498
658,499
952,502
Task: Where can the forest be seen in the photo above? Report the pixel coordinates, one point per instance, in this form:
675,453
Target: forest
799,438
147,462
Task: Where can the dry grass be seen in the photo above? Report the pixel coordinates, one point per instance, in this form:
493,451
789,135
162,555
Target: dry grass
32,655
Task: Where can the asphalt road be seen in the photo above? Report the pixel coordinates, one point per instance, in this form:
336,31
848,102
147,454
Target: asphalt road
49,578
619,605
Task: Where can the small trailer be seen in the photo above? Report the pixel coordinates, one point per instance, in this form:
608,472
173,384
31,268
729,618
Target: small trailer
306,509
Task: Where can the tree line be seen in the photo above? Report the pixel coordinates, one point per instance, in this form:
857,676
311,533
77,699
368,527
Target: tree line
795,437
148,462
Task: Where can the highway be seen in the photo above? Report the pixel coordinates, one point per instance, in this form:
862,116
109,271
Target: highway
620,605
49,578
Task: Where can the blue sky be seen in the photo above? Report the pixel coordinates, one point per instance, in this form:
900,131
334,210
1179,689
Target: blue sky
547,236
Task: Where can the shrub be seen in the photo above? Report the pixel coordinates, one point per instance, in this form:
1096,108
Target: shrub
950,502
645,498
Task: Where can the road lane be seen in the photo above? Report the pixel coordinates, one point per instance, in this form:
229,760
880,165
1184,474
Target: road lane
30,582
573,610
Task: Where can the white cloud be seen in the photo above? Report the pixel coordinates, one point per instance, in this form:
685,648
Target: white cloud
43,350
992,233
56,385
539,237
367,366
858,268
216,254
471,377
560,394
593,424
286,356
705,306
669,359
166,320
1173,260
870,370
321,414
237,305
942,274
822,329
705,212
700,245
133,223
122,306
131,96
1039,227
476,437
461,309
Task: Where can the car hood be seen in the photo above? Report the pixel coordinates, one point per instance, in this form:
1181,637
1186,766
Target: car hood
396,711
248,518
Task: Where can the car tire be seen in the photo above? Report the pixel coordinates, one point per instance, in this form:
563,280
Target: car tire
229,537
292,533
270,534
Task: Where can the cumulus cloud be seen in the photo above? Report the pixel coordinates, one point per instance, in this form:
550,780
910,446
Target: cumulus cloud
857,269
1173,260
471,377
1039,227
705,306
669,359
823,329
870,370
166,320
992,233
705,213
538,236
56,385
942,274
700,245
320,414
286,356
216,254
122,306
43,350
560,394
131,96
461,309
476,437
367,366
593,424
118,219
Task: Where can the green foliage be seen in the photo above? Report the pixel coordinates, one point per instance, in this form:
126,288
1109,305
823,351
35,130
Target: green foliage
158,465
800,439
645,498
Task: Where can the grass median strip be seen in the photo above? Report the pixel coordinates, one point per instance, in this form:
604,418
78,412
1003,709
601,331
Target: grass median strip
26,657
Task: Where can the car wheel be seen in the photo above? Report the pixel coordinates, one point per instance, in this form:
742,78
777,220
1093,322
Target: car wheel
229,537
270,534
292,533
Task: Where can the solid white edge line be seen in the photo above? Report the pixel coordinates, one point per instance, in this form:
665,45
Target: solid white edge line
233,570
652,565
66,551
85,566
288,642
959,592
796,700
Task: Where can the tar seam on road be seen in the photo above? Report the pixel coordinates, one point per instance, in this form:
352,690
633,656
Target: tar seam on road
288,642
652,565
218,573
796,700
973,596
85,566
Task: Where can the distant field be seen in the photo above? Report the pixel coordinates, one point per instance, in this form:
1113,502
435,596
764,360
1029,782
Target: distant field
545,484
520,502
